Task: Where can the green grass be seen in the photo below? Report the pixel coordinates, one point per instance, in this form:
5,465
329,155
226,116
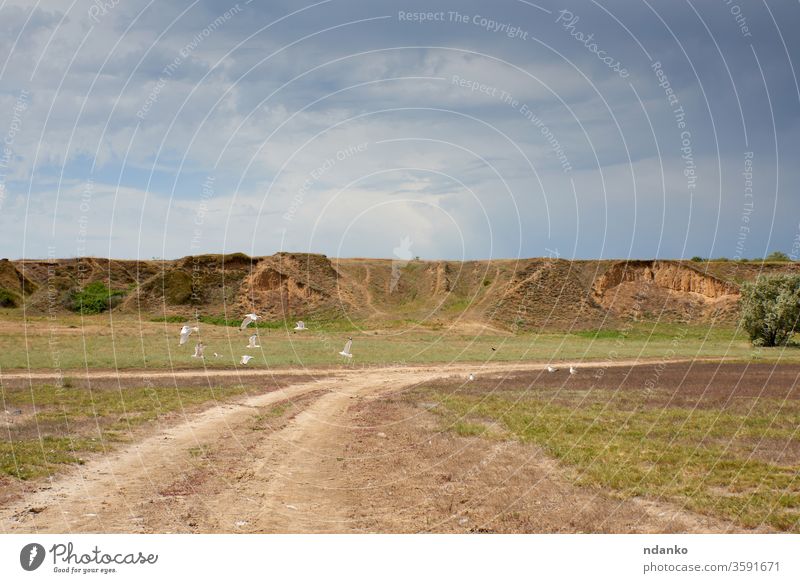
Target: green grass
115,341
235,322
711,461
600,334
467,429
59,426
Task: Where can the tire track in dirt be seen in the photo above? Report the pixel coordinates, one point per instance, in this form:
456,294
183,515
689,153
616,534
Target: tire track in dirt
104,495
292,479
295,485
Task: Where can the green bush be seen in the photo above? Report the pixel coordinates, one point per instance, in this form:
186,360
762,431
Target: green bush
174,319
771,308
8,299
93,298
777,256
697,259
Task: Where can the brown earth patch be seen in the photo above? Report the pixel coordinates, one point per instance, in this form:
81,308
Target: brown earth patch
411,477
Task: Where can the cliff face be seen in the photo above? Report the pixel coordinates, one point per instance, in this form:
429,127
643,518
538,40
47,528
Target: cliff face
668,290
289,284
511,294
669,275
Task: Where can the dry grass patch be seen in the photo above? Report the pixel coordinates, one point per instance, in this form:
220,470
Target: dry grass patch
710,460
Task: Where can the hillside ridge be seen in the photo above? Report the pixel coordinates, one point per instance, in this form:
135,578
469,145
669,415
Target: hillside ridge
507,293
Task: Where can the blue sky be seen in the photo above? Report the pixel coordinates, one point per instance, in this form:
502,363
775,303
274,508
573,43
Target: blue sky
475,129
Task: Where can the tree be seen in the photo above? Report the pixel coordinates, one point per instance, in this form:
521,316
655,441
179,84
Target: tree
771,309
777,256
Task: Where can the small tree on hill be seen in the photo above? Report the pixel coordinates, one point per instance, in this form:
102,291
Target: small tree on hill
771,309
777,256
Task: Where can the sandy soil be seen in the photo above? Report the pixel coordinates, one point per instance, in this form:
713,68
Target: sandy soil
335,454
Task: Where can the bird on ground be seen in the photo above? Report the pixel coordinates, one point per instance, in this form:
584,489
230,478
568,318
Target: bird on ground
346,350
552,369
493,349
253,342
471,377
572,370
198,350
186,331
245,359
248,319
217,355
301,326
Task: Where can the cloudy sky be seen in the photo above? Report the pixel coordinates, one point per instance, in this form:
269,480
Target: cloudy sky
510,128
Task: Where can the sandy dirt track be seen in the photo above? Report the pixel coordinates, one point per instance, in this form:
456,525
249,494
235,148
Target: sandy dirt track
221,374
328,455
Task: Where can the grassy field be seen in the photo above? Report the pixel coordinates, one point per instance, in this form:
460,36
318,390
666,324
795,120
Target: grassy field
48,427
108,341
734,457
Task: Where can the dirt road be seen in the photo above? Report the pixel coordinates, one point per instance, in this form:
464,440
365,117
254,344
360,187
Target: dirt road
331,455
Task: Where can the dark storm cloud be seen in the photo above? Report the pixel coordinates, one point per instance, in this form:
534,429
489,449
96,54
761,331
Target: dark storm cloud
531,126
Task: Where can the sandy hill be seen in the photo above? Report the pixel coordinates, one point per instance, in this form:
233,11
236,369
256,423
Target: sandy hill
511,294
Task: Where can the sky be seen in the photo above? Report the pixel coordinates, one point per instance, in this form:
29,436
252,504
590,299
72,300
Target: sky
446,129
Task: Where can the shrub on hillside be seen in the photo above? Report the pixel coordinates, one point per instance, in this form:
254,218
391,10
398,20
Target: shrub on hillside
8,299
771,309
93,298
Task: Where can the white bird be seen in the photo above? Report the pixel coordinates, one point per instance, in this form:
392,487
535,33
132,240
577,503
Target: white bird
552,369
248,319
346,351
186,331
217,355
198,350
253,340
245,359
301,326
471,377
572,369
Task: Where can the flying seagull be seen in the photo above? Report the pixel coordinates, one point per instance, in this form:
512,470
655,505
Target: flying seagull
245,359
248,319
552,369
253,341
301,326
572,369
186,331
346,351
